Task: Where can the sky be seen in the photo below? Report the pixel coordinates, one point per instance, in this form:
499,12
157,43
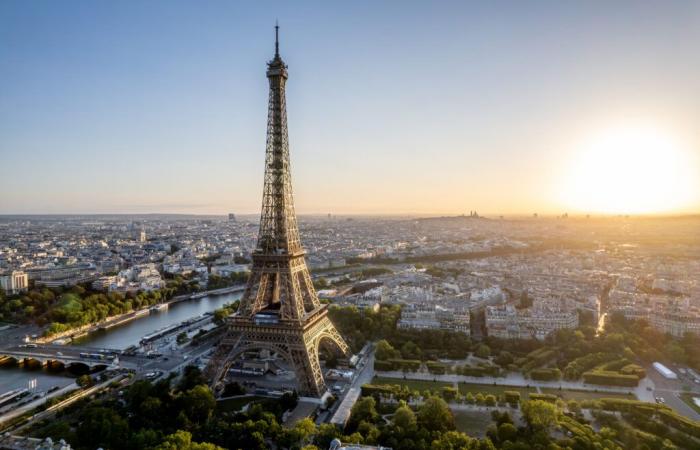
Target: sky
394,107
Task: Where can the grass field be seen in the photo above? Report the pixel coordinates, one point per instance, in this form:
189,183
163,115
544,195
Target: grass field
473,423
495,390
235,404
687,397
419,385
570,394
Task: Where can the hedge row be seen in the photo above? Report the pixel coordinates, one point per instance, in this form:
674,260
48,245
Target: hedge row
512,397
666,414
436,367
379,389
549,374
545,397
606,378
634,369
479,371
675,420
537,358
411,365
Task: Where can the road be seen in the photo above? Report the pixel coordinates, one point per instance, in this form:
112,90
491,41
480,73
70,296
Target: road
364,376
17,412
670,391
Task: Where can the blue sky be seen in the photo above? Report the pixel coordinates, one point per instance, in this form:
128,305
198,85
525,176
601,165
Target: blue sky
394,107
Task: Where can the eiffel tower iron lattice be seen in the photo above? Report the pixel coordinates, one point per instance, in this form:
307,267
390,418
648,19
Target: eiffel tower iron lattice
279,311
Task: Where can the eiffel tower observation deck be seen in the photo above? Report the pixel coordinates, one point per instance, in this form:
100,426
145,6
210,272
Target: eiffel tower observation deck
279,312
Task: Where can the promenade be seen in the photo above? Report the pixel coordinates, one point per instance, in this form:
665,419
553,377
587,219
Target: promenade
516,379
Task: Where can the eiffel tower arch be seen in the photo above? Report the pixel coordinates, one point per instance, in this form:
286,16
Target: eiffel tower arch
279,311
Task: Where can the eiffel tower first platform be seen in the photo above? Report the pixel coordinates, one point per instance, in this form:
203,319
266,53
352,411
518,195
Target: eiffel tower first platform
279,311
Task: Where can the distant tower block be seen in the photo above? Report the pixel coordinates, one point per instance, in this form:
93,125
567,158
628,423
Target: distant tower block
279,312
142,236
231,217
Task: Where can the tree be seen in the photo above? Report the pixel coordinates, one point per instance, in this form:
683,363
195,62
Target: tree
103,427
198,404
182,440
507,432
483,351
574,406
84,381
325,434
182,338
365,409
452,440
386,351
435,415
299,434
504,358
490,400
539,414
404,418
191,377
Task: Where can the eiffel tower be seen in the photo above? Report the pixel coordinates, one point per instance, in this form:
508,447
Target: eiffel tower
279,311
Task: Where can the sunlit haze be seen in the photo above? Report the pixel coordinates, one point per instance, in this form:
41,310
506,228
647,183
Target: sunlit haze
504,107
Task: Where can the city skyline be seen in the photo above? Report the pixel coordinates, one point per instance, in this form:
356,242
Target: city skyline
416,111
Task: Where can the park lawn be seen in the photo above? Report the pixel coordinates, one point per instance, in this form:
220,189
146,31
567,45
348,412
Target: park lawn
496,390
474,423
575,394
414,385
687,397
235,404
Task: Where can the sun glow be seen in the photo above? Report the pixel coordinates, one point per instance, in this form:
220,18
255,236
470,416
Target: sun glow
630,170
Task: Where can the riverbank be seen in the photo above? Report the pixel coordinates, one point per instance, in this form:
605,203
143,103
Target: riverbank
121,319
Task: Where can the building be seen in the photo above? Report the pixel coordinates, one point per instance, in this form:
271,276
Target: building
434,316
141,277
537,321
337,445
15,282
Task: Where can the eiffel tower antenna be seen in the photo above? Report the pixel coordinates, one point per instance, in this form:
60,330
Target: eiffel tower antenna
277,39
279,311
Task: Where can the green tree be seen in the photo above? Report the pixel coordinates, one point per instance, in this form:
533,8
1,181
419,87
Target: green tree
453,440
84,381
507,432
483,351
404,418
435,415
539,414
365,409
198,404
386,351
490,400
103,427
182,440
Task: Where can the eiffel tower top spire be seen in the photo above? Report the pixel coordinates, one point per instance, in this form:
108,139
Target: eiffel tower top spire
277,39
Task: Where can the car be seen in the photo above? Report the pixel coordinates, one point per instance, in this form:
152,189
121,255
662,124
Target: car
59,353
662,400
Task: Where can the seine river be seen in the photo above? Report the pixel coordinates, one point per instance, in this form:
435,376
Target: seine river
119,337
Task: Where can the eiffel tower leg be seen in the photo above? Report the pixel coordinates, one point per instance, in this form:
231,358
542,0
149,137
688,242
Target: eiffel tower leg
308,372
221,359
